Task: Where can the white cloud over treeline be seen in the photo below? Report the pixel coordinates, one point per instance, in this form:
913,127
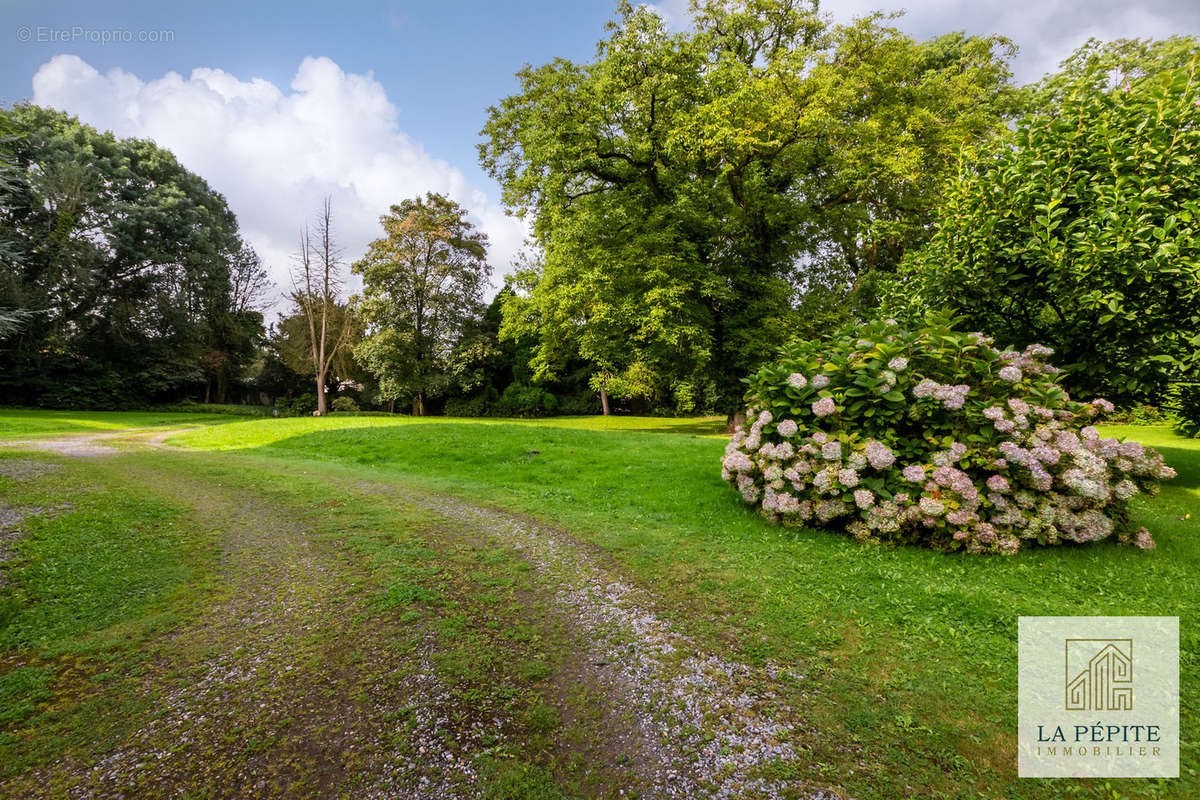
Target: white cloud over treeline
276,153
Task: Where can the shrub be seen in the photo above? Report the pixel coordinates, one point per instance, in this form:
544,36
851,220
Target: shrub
579,404
933,436
1186,401
236,409
525,400
466,407
301,406
344,404
1139,415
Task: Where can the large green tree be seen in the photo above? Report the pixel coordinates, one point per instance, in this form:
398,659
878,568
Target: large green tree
115,263
423,285
685,188
1081,231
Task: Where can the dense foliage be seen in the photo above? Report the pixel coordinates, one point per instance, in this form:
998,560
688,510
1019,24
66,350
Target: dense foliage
117,271
1082,232
492,376
934,436
696,198
683,187
1187,408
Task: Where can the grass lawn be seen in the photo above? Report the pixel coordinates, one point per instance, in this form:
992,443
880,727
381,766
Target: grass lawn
909,655
915,650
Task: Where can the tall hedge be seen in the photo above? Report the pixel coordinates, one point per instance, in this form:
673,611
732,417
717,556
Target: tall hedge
1081,232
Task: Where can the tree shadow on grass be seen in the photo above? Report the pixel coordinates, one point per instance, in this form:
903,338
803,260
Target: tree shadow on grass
700,427
1186,464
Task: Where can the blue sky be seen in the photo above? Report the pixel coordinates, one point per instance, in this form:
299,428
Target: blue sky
442,64
277,104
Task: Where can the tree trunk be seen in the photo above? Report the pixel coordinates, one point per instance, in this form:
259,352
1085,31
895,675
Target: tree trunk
735,421
321,406
392,406
419,405
604,400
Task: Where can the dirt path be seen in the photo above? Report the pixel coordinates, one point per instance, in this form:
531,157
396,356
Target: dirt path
291,680
94,445
702,726
286,681
85,445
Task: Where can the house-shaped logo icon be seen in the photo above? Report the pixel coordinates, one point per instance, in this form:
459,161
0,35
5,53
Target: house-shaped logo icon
1099,675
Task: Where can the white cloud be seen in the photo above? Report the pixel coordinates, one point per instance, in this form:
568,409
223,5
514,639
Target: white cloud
274,154
676,13
1046,31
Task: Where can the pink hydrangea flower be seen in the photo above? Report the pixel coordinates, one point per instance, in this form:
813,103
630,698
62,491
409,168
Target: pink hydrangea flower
797,381
786,503
925,388
824,407
931,507
820,381
913,473
829,509
959,516
1068,442
1010,373
952,397
787,428
1125,489
1143,539
738,462
879,455
1132,449
864,498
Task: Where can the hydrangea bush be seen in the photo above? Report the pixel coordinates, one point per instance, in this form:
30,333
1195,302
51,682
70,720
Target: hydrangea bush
934,436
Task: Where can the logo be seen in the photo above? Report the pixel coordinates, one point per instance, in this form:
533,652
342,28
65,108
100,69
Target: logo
1098,697
1099,675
